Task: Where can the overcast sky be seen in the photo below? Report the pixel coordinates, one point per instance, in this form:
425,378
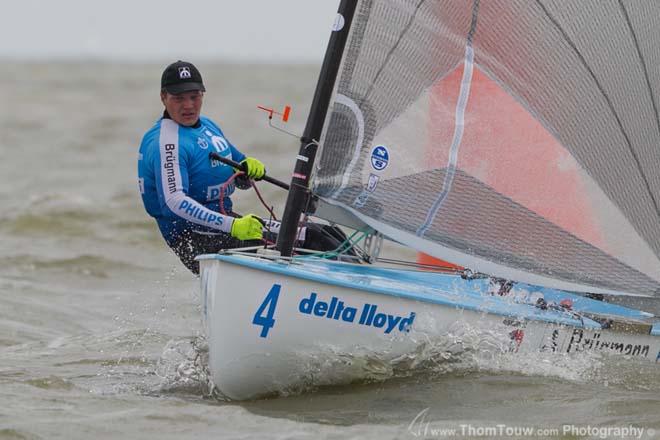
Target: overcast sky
237,30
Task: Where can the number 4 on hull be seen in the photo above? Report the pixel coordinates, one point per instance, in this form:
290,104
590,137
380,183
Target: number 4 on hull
268,306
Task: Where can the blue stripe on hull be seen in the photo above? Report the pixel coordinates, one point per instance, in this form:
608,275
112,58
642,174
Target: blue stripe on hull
444,289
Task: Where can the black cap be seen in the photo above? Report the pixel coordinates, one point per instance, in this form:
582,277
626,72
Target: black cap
181,77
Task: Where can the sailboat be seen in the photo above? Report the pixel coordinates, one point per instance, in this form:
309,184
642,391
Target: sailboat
517,139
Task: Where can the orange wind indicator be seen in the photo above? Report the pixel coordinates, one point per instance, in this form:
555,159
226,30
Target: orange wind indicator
285,118
285,113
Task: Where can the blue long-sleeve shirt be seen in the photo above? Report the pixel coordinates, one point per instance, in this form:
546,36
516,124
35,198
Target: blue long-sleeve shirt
179,183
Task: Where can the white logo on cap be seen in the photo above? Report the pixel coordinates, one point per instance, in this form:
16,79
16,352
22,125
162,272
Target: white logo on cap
184,72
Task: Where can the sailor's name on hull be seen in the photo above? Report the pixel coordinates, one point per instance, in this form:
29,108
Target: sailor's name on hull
581,340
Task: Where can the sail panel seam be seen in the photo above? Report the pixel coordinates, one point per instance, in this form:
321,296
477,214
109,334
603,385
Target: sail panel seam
391,52
643,64
609,103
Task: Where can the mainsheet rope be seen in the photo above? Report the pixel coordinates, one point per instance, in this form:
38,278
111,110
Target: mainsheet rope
343,247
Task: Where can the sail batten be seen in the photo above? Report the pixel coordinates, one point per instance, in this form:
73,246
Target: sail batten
523,136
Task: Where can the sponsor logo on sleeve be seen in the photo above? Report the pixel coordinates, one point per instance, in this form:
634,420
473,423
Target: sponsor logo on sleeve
169,165
204,215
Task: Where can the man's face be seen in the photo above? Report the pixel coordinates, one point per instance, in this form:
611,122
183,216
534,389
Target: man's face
184,108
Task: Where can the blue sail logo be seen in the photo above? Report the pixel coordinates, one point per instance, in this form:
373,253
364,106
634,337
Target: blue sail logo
379,157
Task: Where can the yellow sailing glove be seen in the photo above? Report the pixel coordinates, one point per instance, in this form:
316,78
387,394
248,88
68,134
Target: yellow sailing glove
255,169
248,227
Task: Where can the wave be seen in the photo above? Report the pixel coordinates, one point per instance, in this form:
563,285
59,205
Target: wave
183,366
183,369
86,264
466,351
119,219
116,362
50,213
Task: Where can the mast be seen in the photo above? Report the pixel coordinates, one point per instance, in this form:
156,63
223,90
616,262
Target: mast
299,192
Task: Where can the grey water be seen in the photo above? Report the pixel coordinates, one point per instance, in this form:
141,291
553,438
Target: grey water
100,325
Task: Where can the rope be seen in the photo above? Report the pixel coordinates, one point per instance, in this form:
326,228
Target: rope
229,181
261,199
223,188
343,247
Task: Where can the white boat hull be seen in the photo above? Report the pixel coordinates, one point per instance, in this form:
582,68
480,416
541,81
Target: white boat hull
270,331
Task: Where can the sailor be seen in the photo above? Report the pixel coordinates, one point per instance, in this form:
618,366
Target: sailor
186,191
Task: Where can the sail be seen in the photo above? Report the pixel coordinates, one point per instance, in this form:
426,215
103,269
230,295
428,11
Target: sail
520,138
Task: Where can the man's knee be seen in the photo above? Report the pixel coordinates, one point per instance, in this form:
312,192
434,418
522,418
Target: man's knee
324,237
191,244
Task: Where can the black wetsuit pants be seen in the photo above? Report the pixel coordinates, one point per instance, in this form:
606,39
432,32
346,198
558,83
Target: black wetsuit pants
190,244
